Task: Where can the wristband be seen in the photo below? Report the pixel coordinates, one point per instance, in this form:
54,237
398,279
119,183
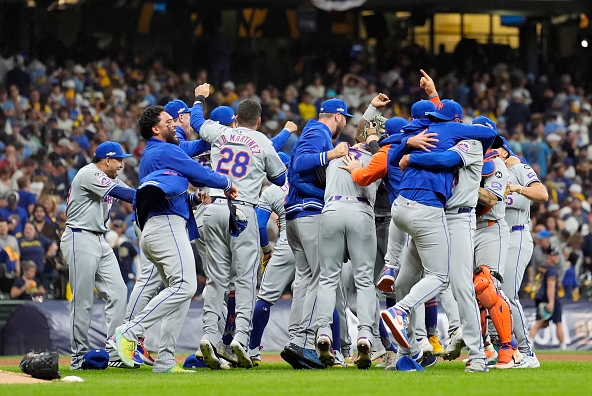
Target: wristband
520,190
370,112
433,95
199,100
266,249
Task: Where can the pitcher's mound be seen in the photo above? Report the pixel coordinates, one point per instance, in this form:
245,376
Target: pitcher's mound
8,377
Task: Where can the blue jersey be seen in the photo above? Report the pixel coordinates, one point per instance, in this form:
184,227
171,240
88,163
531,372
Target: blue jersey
193,148
159,155
307,192
433,188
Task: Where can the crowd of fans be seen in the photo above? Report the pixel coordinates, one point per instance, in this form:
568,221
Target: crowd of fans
53,116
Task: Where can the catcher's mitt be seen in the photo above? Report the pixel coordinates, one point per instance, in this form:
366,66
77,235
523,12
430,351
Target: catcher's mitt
266,252
373,127
44,365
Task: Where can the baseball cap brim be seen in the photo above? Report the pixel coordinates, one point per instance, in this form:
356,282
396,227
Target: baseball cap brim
348,115
439,116
122,156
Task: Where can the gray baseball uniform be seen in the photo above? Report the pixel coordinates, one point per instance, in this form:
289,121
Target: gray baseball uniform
245,156
492,235
519,250
91,259
347,222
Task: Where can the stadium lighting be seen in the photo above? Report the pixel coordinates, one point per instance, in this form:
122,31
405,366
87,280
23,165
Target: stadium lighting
584,43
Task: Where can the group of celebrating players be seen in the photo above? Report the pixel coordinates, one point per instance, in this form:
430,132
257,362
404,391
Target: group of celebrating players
417,211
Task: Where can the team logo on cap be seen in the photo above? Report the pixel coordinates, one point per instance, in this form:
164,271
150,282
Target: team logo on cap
181,110
440,105
340,109
110,153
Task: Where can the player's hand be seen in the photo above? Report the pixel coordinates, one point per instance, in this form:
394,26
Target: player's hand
511,161
372,138
423,141
551,307
291,126
380,100
427,83
232,193
404,162
341,150
202,90
204,197
350,163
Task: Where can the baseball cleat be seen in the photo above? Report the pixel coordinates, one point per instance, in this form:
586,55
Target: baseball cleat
529,361
425,346
429,361
491,353
505,357
255,355
244,360
388,359
325,354
137,358
378,353
349,361
339,360
209,355
455,345
226,352
396,319
476,367
176,369
119,364
386,282
418,357
125,348
143,352
364,359
437,348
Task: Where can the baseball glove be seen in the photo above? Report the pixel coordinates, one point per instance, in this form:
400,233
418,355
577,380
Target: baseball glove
42,365
373,127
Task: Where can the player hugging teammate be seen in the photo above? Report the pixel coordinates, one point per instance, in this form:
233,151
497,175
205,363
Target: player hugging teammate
420,211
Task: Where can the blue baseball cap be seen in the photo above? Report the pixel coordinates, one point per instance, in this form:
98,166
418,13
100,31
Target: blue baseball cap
95,359
284,157
394,125
110,150
447,110
223,114
422,108
335,106
193,361
482,120
176,108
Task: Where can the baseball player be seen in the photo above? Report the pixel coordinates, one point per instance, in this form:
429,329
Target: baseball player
149,281
304,203
524,188
91,259
419,210
161,205
347,219
279,267
467,156
246,156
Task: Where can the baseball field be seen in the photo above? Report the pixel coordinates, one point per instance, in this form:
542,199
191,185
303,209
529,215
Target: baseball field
560,374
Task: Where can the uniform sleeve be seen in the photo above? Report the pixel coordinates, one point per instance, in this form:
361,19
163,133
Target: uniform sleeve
308,155
527,175
497,182
208,130
197,174
470,151
98,183
280,139
263,214
439,160
274,167
376,168
194,148
399,152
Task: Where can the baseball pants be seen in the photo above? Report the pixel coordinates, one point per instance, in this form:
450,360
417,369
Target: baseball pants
92,264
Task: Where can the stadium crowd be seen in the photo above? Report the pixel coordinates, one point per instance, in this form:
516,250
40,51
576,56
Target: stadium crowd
52,117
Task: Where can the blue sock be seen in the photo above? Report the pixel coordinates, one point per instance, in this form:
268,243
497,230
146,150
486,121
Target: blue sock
431,317
230,327
260,319
335,331
384,336
390,302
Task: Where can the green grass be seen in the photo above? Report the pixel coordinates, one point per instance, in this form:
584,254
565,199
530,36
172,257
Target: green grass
272,379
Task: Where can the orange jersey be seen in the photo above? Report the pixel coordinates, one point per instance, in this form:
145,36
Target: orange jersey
376,168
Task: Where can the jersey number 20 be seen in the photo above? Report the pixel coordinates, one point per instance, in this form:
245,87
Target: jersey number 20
231,163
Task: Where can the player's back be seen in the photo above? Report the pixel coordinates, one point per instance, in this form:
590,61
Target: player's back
465,191
517,205
497,183
243,155
340,183
272,199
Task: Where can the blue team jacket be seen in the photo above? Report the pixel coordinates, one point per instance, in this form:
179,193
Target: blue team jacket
307,195
162,156
193,148
429,187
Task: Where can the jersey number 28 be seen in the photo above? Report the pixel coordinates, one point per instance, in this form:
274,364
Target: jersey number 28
233,163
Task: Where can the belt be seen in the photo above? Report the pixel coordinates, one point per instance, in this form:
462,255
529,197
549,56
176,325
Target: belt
234,201
345,198
462,209
518,227
382,219
92,232
484,224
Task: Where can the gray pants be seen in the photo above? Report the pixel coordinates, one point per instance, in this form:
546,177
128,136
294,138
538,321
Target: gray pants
224,253
461,227
491,245
303,236
430,249
92,264
397,239
351,224
519,253
165,243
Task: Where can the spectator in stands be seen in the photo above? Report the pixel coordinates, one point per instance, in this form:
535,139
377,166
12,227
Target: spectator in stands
28,286
59,178
27,169
306,108
26,198
38,249
17,216
44,225
10,244
50,205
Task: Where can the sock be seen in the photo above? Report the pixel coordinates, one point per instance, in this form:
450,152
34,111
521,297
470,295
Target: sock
260,319
431,317
335,332
390,302
230,327
384,337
